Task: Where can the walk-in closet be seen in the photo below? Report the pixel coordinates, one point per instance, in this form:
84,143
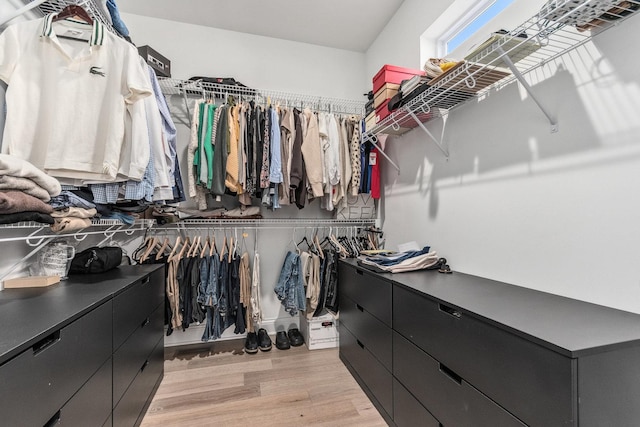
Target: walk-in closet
345,213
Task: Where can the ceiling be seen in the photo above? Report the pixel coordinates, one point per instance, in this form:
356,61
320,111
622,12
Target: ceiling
343,24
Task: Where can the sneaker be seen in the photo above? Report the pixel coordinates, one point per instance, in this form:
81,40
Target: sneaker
295,337
264,341
251,343
282,341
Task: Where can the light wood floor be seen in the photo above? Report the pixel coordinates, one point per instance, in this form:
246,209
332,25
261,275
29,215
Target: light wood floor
219,385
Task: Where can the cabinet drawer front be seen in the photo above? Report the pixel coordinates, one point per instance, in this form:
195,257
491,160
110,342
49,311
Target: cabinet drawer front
50,372
129,411
128,359
135,304
535,383
375,335
407,411
366,290
369,369
91,405
447,396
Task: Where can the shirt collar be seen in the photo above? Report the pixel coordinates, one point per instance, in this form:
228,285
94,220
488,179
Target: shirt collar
97,34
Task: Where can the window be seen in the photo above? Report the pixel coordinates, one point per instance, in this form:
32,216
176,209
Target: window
468,24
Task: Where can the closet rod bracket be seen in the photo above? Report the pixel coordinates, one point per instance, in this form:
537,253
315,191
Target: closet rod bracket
374,140
518,75
433,138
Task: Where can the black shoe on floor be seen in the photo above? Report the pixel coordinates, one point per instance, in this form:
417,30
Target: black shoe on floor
264,341
282,341
295,337
251,343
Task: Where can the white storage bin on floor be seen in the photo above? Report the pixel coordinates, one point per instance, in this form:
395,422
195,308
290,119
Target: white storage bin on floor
320,332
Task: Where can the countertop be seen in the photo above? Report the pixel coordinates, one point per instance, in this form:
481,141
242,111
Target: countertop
569,326
30,314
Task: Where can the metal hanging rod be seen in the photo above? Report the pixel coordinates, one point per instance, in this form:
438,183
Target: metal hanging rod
264,223
261,96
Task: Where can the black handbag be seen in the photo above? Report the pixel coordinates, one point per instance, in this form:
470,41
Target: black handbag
96,260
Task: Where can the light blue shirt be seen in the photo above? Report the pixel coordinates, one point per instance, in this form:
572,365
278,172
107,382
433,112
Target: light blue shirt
275,169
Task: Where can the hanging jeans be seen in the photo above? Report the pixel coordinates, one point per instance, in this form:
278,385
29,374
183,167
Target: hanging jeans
209,276
290,287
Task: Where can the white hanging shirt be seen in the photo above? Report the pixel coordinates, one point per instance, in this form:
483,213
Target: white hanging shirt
66,99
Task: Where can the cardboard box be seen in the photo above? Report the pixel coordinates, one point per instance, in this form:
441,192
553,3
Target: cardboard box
370,121
388,91
159,63
320,332
393,74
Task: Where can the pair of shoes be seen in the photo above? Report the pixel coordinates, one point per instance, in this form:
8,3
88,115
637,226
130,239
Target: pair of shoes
251,343
264,341
282,341
295,337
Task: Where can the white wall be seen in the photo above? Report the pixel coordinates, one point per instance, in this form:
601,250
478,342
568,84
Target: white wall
557,212
257,61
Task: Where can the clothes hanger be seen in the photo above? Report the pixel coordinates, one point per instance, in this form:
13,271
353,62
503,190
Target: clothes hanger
153,243
194,247
224,247
316,243
185,245
73,11
173,252
137,253
163,248
230,249
205,248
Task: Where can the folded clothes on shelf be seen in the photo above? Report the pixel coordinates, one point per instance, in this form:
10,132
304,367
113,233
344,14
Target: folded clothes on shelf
399,262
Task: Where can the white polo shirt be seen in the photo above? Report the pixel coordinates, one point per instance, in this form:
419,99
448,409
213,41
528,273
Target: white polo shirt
66,99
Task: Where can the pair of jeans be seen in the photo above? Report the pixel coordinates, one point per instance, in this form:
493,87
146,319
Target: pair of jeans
290,287
208,296
67,199
398,258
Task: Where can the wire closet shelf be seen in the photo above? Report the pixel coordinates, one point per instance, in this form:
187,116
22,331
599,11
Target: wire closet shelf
205,89
559,27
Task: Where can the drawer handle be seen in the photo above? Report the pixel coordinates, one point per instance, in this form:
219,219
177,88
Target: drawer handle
450,311
449,373
46,342
360,272
145,280
360,344
54,420
145,323
359,307
144,365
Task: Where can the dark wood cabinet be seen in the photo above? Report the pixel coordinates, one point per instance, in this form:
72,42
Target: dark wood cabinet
366,335
468,351
71,353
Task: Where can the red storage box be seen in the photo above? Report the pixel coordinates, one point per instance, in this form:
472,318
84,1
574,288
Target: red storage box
382,111
393,74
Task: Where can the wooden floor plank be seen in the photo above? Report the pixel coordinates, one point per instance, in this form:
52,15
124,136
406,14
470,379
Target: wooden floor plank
217,384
